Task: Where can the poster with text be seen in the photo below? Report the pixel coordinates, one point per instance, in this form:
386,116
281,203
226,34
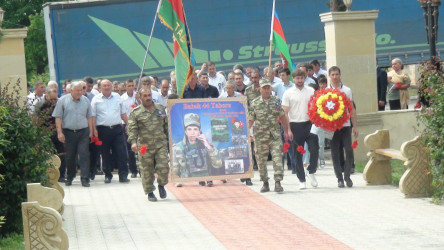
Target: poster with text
209,139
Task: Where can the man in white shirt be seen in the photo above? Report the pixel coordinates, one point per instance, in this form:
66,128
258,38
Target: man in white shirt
215,79
108,112
128,103
317,69
295,104
164,89
342,136
38,96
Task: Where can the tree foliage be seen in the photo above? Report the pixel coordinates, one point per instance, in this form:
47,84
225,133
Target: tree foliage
35,47
432,86
26,146
28,13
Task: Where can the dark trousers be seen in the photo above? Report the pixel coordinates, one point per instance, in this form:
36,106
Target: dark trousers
60,149
395,104
382,108
94,162
131,157
301,134
113,138
253,155
76,147
342,136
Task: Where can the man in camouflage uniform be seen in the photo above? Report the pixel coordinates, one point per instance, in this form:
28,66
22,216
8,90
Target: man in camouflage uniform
194,155
148,126
264,113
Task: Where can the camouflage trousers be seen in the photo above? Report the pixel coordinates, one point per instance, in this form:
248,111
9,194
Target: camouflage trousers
148,168
266,144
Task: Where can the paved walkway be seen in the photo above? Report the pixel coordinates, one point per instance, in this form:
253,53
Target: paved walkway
234,216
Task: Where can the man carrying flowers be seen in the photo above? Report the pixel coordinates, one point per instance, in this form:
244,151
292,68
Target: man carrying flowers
342,135
148,135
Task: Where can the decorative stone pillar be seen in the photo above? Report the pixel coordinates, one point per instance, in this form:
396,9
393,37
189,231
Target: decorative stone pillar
350,45
12,58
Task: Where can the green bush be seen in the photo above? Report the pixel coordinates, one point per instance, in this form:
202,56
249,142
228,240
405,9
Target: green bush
12,242
432,83
25,147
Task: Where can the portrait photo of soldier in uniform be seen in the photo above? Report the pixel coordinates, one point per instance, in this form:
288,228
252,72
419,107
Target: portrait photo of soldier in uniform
237,127
194,156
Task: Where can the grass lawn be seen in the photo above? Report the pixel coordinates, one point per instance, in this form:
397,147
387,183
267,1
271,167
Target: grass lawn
398,170
12,242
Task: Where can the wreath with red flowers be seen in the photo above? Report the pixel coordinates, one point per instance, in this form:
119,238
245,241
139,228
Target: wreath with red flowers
329,109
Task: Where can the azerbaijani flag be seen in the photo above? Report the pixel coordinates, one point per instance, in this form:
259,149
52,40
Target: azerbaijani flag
280,43
172,15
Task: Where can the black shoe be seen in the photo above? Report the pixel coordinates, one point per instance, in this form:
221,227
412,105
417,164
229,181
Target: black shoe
85,184
124,180
152,197
62,180
255,167
107,180
341,184
68,183
210,183
92,176
265,187
134,175
248,182
99,172
162,192
352,171
278,188
349,183
202,183
243,180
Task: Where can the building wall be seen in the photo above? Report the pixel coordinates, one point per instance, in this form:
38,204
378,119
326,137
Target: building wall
12,58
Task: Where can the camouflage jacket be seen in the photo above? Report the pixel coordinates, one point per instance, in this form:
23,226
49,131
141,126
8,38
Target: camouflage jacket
251,93
194,160
148,128
265,114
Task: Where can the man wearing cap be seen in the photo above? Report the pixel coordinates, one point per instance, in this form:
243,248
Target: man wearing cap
148,127
194,156
264,113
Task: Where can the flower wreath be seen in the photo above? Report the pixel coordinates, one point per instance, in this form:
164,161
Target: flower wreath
329,109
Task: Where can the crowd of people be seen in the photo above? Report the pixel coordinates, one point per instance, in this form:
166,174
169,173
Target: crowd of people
99,126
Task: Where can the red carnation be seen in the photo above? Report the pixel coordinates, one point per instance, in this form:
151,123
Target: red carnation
354,144
143,149
398,85
287,145
133,106
303,151
418,105
94,139
300,149
99,143
279,120
284,150
233,120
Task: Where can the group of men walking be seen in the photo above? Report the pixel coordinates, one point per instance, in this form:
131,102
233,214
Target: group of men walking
122,125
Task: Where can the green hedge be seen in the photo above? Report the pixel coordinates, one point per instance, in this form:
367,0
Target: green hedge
432,86
25,147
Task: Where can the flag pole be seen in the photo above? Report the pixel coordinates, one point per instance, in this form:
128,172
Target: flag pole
271,38
148,45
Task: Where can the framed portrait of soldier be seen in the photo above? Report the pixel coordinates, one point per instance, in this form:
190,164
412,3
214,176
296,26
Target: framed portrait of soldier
209,139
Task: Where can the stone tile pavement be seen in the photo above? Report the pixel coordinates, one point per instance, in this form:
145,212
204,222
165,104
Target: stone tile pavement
119,216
